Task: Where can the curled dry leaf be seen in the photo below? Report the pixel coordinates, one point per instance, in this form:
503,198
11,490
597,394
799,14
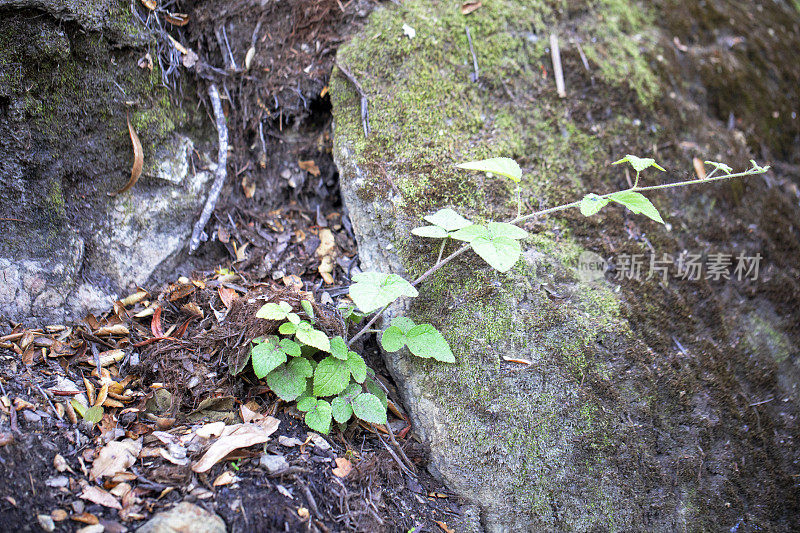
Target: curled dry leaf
100,497
150,4
309,166
234,437
225,478
699,168
138,159
470,6
115,457
177,19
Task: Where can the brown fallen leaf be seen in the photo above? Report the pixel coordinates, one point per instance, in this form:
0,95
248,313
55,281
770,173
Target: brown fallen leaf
227,296
248,187
309,166
327,243
86,518
115,457
470,6
59,515
177,19
234,437
100,497
699,168
325,269
225,478
138,158
445,527
343,467
150,4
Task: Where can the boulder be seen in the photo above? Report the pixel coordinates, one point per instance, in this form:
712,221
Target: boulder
648,403
70,72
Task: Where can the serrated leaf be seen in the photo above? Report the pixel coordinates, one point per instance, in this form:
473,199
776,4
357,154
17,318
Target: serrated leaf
503,229
425,341
339,348
501,253
448,220
592,204
294,318
637,203
357,367
369,408
639,163
432,232
266,357
721,166
374,290
470,233
377,391
502,166
287,328
290,347
318,417
305,403
331,377
393,339
341,409
315,338
274,311
288,381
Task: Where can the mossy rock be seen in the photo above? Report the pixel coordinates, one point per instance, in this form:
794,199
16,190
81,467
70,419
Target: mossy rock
635,412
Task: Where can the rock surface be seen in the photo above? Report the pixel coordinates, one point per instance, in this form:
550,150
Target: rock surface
69,74
645,406
183,518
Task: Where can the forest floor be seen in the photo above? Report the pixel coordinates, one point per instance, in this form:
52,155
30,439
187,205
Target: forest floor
108,421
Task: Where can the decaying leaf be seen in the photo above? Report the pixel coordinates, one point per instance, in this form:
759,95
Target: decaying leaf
225,478
177,19
146,61
150,4
138,159
470,6
699,168
115,457
343,467
309,166
234,437
227,296
100,497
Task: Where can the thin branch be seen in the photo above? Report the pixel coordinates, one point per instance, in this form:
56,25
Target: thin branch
198,235
361,94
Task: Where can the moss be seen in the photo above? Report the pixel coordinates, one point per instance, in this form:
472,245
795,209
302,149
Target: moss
762,337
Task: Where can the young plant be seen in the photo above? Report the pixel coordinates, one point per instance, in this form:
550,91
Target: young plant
497,243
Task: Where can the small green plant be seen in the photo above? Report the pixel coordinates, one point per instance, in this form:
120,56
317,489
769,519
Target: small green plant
328,381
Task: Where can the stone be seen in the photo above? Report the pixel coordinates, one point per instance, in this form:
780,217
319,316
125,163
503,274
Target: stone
273,464
640,408
182,518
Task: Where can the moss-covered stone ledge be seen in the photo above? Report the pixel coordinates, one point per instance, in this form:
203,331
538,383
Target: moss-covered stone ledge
611,427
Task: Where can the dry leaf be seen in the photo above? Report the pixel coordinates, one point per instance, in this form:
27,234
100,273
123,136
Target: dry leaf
146,61
100,497
470,6
248,58
294,281
248,187
86,518
214,429
134,298
327,243
59,515
227,296
177,19
225,478
699,168
309,166
445,527
515,360
115,329
150,4
115,457
138,159
325,269
234,437
343,467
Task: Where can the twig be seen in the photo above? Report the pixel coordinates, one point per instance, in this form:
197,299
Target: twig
198,234
583,57
361,93
46,397
559,74
474,75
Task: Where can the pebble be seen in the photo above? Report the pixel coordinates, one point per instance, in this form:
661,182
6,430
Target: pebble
46,522
184,517
273,463
30,416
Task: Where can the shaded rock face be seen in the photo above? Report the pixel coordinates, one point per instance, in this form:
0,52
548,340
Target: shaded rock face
68,77
647,405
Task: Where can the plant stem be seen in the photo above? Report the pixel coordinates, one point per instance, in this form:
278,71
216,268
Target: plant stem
441,250
367,326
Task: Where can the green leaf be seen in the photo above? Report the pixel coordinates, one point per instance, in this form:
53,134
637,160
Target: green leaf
314,337
639,163
503,229
500,252
79,407
318,417
470,233
339,348
374,290
288,381
290,347
331,377
306,403
357,367
637,203
287,328
341,409
369,408
433,232
377,391
502,166
448,220
274,311
266,357
306,305
294,318
423,340
592,203
721,166
93,415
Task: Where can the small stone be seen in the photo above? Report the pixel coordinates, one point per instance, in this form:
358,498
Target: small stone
273,464
184,517
94,528
32,417
289,442
46,522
